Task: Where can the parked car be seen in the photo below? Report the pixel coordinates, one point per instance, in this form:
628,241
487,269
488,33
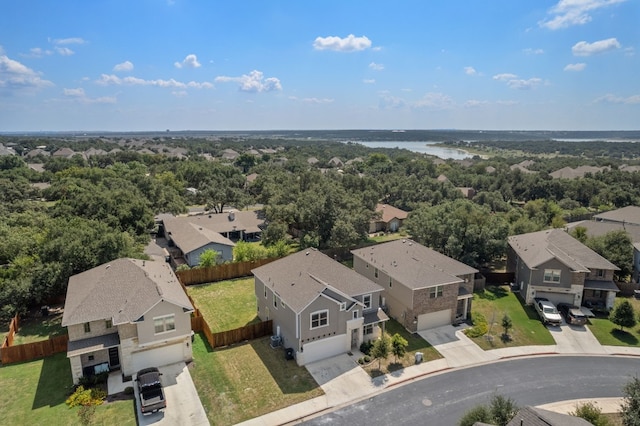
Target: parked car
572,314
150,389
547,311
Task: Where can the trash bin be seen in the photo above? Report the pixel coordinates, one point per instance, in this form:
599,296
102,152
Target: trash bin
288,353
44,310
419,357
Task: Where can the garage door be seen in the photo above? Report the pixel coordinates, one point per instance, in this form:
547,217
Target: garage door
556,298
434,319
157,357
325,348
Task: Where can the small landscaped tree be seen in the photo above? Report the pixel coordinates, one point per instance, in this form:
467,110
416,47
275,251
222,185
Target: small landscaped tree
507,324
208,258
381,349
623,315
398,346
591,413
631,403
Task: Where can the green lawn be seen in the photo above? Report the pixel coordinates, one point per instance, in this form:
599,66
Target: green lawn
40,328
610,334
226,305
34,393
247,380
527,329
416,344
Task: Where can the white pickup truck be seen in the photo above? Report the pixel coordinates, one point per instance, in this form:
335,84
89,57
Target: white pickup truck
547,311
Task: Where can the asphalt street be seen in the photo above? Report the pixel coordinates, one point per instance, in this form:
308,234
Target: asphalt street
442,399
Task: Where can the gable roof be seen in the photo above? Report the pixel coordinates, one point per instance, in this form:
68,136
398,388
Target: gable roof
629,214
122,290
578,172
537,248
247,221
390,212
300,278
534,416
189,236
413,264
598,229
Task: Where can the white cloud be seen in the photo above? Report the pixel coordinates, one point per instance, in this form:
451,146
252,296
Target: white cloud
123,66
16,76
470,71
253,82
530,51
38,52
575,67
350,43
79,95
71,40
376,67
111,79
504,77
434,101
316,101
179,93
64,51
79,92
524,84
612,99
190,61
573,12
473,103
582,48
369,80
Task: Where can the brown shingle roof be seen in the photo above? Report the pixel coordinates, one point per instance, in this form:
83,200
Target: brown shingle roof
247,221
189,236
390,212
629,214
533,416
123,290
536,248
413,264
301,277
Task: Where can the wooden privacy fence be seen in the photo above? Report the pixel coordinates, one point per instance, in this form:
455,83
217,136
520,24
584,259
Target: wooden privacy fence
13,328
222,272
34,350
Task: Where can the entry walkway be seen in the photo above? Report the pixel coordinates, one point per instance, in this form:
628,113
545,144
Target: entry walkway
345,383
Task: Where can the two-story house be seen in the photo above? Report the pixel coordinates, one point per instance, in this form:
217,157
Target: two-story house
554,265
128,314
423,289
319,307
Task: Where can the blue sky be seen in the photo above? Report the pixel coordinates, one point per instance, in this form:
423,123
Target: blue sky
259,65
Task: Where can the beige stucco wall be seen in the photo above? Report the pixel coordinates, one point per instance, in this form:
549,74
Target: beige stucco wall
282,316
146,329
98,328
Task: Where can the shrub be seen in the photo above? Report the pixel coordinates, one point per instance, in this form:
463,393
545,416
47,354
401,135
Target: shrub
85,397
480,325
365,347
128,390
367,359
361,360
591,413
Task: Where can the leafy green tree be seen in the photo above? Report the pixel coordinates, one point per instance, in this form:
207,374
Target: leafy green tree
631,403
591,413
623,315
479,413
398,346
507,324
244,252
502,409
275,232
208,258
245,162
381,348
617,248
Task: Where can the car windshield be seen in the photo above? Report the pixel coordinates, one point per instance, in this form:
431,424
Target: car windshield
548,310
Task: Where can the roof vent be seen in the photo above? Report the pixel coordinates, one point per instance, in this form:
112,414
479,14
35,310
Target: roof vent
307,254
108,266
232,216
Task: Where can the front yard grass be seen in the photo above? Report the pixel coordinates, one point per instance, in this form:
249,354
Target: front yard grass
247,380
226,305
609,334
34,392
493,303
416,344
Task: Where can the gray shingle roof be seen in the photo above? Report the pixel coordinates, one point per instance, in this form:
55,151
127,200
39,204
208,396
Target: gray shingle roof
533,416
122,290
629,214
247,221
189,236
413,264
598,229
300,278
539,247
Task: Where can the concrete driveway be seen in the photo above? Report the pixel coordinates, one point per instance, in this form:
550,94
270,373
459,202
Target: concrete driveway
575,339
455,346
183,403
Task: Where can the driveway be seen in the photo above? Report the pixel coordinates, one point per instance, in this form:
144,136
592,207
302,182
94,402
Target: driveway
575,339
183,403
456,348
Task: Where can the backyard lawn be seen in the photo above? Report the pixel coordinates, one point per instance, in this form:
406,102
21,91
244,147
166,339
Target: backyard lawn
493,303
610,334
416,344
34,393
226,305
39,328
244,381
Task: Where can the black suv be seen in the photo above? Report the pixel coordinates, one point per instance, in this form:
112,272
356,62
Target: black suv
572,315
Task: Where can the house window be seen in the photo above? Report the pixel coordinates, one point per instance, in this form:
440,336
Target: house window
368,329
435,292
366,299
265,291
375,272
597,293
275,301
355,314
90,358
108,323
164,324
552,275
343,306
390,282
599,273
87,327
319,319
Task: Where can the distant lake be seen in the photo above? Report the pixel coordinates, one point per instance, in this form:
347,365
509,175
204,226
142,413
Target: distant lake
423,147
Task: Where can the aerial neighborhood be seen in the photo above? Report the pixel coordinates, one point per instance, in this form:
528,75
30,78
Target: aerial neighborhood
230,279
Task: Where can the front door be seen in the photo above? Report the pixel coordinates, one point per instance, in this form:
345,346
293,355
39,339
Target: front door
354,337
114,357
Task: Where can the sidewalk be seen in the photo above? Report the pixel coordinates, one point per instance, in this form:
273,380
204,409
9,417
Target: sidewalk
344,382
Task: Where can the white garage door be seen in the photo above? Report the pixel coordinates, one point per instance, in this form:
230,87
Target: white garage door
556,298
157,357
325,348
434,319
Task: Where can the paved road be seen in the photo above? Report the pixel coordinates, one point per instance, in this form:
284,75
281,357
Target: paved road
442,399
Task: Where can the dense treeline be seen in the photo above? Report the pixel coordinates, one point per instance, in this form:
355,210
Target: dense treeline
80,212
